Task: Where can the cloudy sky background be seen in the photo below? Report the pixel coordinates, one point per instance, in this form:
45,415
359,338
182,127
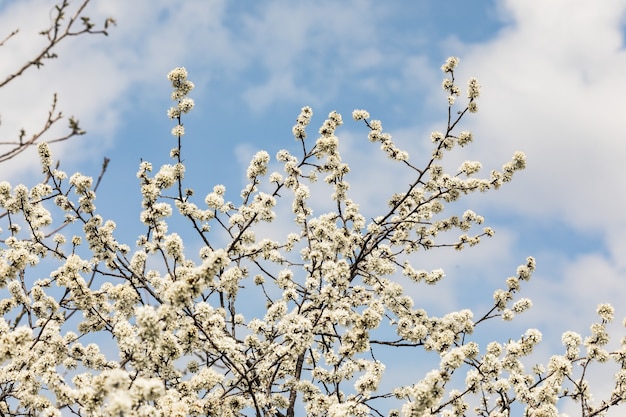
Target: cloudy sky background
553,80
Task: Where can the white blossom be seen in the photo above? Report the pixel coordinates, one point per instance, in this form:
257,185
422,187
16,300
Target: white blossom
450,64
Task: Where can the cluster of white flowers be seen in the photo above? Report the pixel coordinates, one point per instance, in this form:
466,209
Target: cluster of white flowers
454,91
182,86
303,120
250,325
376,134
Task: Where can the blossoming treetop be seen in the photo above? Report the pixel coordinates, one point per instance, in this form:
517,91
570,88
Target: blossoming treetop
254,324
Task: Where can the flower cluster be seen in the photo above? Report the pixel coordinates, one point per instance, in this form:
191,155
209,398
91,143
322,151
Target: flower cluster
182,86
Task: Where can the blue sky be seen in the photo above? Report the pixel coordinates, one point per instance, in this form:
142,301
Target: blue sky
552,74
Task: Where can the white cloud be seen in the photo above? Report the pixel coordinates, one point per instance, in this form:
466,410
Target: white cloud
94,75
550,88
260,97
310,51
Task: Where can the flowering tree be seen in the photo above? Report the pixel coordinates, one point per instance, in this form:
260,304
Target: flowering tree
253,324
